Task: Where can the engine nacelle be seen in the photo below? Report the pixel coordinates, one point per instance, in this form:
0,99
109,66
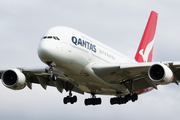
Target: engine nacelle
13,79
160,74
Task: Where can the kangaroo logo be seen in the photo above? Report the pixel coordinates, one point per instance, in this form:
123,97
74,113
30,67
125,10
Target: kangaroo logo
148,49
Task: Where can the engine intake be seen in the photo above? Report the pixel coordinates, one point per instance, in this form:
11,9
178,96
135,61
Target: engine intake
13,79
160,74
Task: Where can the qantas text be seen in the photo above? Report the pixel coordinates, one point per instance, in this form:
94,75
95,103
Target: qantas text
83,43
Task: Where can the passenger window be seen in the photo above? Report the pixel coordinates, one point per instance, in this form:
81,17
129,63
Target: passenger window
44,37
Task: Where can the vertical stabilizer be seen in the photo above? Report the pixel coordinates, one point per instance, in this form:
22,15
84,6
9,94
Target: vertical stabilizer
145,49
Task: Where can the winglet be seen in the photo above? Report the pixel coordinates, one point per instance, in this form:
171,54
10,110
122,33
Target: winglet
145,49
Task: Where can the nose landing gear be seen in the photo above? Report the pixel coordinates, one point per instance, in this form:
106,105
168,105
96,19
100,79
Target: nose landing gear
52,76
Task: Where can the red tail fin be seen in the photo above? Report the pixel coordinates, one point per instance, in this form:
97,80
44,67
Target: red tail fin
144,52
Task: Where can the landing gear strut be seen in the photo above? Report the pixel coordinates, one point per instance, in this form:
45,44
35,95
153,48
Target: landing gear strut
52,76
92,101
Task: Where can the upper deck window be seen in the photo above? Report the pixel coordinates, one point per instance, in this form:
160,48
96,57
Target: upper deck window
50,37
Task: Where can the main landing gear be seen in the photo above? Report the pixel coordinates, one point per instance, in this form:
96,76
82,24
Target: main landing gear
92,101
70,99
123,100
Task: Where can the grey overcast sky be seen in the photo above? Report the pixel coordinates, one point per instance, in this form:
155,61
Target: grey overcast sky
119,24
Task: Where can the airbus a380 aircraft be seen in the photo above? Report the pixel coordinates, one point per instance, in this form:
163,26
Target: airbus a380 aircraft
79,63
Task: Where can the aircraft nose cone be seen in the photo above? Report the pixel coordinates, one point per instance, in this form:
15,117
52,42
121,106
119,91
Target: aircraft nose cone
45,51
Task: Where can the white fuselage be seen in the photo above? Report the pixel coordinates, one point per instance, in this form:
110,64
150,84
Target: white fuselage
74,54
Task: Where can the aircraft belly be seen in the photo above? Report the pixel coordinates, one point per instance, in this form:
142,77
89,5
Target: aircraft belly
93,84
90,83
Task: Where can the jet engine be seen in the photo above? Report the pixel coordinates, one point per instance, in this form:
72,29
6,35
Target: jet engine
160,74
13,79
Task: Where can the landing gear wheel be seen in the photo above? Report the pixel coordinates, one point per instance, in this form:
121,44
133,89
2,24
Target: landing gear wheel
86,102
65,100
93,100
74,98
99,101
54,77
134,97
124,100
70,99
48,78
116,100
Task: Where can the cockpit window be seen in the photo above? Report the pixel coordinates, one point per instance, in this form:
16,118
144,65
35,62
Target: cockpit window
44,37
54,37
57,38
50,37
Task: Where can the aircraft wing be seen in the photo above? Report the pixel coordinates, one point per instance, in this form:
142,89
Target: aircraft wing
138,72
39,75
